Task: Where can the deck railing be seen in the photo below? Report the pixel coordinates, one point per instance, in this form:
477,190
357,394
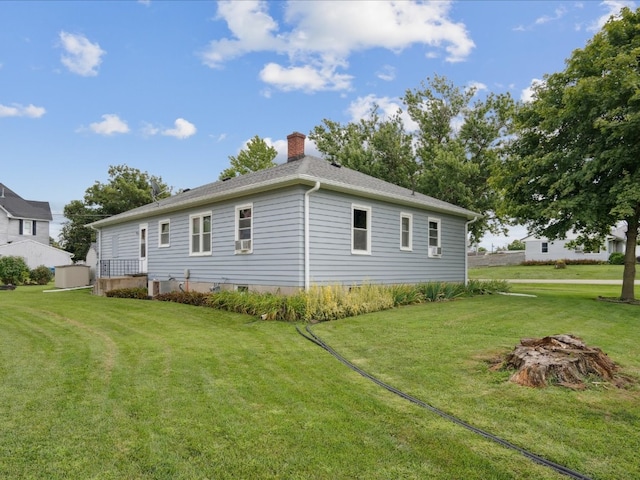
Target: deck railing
119,268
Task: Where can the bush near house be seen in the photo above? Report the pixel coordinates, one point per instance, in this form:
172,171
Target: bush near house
332,302
13,270
41,275
139,293
567,261
616,258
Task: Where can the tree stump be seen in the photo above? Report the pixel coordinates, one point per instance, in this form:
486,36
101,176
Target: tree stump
561,359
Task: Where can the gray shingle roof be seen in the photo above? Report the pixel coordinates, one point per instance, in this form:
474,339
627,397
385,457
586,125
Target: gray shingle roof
18,207
306,171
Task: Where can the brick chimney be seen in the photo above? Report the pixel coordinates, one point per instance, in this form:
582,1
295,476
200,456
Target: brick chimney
295,149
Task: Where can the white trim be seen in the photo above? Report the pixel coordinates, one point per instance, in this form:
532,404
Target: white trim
165,221
409,247
368,229
201,216
237,229
435,251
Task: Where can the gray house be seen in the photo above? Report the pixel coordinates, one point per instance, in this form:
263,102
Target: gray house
24,231
301,223
22,219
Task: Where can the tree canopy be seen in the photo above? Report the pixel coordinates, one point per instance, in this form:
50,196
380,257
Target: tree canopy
575,162
257,155
450,155
127,188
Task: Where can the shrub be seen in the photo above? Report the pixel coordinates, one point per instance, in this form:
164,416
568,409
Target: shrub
139,293
189,298
576,261
41,275
561,264
616,258
13,270
331,302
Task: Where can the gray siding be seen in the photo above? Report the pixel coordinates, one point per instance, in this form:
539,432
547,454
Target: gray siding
276,260
333,262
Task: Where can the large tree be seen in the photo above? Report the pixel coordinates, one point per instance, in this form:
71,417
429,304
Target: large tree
127,188
576,160
257,155
451,155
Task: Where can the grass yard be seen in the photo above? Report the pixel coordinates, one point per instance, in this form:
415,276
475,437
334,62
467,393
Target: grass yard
548,272
94,387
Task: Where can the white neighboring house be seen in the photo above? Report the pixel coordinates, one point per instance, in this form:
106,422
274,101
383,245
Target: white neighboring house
36,254
541,248
24,231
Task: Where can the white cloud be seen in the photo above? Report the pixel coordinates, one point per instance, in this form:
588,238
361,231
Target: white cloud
528,93
17,110
109,125
324,34
81,56
387,73
183,129
613,9
361,108
477,86
558,14
307,78
149,130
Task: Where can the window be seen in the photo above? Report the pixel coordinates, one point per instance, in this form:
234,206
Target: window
200,233
406,235
545,247
27,227
360,229
244,228
163,233
435,248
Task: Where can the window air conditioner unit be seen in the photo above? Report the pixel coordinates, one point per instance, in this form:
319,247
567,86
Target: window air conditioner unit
435,251
243,245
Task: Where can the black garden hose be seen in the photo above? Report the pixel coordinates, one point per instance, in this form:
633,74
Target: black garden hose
312,337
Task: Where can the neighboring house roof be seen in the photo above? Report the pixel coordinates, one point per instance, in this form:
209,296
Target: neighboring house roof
617,233
18,207
304,171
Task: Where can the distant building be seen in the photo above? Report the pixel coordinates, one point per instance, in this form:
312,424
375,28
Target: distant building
24,231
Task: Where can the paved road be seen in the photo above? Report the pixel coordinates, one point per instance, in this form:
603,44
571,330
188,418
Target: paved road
569,281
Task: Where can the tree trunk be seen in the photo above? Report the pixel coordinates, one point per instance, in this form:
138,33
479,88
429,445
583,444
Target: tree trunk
562,359
629,275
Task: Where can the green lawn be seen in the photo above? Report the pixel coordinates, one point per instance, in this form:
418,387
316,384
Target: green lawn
548,272
94,387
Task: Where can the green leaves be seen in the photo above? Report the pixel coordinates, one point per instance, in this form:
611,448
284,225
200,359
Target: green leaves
574,165
256,156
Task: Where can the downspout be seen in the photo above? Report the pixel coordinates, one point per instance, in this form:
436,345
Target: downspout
466,254
315,188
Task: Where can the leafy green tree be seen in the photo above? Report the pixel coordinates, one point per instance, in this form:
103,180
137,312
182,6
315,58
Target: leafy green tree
575,161
516,245
13,270
451,156
256,156
377,147
127,188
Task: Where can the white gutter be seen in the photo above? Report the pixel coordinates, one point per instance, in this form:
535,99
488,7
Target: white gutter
307,282
466,254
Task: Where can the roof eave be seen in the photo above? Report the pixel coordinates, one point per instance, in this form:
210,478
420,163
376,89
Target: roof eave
296,179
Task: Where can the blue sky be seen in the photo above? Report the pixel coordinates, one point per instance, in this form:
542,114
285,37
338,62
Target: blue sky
176,87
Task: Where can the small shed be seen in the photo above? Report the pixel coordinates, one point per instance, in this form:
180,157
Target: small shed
71,276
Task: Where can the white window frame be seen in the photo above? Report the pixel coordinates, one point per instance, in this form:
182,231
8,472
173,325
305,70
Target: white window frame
544,247
409,246
240,208
367,209
166,222
430,247
201,216
27,227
